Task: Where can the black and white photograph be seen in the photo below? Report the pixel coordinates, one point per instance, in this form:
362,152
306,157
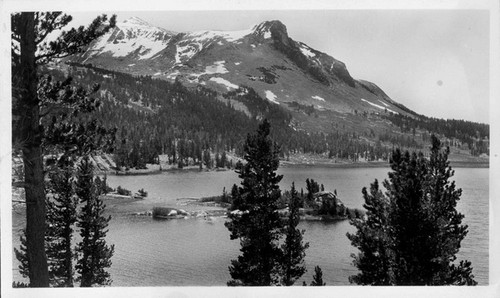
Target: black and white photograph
222,148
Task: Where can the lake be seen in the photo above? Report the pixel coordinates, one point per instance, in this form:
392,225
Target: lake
196,252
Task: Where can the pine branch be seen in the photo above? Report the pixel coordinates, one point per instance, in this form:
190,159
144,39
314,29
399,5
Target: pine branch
50,25
70,42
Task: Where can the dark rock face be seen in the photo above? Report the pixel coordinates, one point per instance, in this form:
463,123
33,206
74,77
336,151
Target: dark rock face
324,197
339,70
278,32
316,67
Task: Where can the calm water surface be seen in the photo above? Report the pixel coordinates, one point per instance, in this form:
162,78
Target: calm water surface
190,252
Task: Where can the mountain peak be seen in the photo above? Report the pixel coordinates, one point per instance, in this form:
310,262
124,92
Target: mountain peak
274,28
267,25
137,21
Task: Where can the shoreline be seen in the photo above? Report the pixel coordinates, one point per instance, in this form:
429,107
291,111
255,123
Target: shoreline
146,172
288,164
374,164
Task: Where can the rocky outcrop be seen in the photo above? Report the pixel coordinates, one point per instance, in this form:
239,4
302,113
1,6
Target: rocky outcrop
168,212
324,198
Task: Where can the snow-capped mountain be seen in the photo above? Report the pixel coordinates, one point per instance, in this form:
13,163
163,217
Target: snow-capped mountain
133,38
262,57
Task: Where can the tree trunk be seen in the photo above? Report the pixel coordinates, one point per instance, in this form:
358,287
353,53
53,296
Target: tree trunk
69,257
32,157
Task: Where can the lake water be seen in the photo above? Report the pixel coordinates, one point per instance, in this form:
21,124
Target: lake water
196,252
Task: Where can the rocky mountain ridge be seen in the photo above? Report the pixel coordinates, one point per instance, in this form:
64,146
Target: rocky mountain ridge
263,57
184,94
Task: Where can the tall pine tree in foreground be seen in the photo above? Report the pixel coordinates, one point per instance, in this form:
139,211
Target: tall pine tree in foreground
411,235
95,254
29,50
254,220
257,224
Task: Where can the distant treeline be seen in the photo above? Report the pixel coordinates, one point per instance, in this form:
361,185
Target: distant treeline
471,133
189,125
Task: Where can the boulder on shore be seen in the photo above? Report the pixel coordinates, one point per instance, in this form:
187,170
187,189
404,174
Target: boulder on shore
165,212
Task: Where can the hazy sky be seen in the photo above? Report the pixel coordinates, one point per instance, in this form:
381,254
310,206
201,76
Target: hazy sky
436,62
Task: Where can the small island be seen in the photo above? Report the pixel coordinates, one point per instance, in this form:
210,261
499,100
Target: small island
317,206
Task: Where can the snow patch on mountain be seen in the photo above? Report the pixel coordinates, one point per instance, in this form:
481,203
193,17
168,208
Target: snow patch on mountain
383,103
217,67
133,36
307,51
173,75
379,106
187,51
271,96
262,29
222,81
230,36
150,48
119,49
318,98
139,24
135,25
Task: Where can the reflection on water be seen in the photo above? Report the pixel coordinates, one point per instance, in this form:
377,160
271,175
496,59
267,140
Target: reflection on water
189,252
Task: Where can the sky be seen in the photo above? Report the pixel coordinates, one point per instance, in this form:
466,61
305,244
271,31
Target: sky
436,62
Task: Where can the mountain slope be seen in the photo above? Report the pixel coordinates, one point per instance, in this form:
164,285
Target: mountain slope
264,58
184,88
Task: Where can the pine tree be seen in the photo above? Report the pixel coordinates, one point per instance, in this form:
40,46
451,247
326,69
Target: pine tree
293,249
217,160
61,216
29,50
207,159
94,254
312,188
258,224
235,197
372,240
412,234
318,277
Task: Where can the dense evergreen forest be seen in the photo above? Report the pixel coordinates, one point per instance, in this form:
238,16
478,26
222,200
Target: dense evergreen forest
197,126
466,132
